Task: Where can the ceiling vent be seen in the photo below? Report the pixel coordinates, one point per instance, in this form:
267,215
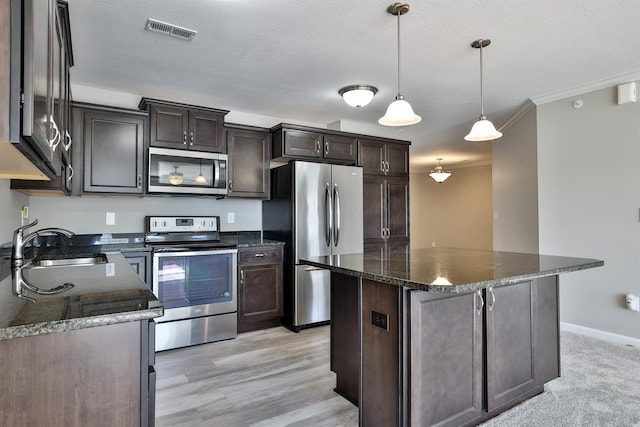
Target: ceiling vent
170,29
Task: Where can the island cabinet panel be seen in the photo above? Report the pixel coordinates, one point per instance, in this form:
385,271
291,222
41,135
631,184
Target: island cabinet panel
510,343
446,359
380,370
249,155
345,335
547,325
85,377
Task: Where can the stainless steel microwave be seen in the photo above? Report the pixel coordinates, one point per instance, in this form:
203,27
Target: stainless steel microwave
187,172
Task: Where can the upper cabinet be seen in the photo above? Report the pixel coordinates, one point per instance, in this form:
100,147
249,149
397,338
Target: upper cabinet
249,154
296,142
110,145
41,56
379,157
186,127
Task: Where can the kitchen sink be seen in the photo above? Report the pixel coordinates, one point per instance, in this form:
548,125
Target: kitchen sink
66,261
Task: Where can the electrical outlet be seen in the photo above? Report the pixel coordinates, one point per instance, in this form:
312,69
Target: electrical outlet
633,302
380,320
231,217
110,218
25,212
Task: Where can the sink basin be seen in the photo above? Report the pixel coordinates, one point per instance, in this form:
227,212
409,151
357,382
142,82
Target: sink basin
81,260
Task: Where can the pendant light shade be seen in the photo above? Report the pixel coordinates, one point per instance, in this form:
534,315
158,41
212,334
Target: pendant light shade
399,112
439,175
358,95
483,129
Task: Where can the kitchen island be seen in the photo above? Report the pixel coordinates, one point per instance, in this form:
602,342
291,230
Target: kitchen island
80,357
442,336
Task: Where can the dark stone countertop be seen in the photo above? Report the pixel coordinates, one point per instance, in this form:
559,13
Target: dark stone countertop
248,239
102,294
450,270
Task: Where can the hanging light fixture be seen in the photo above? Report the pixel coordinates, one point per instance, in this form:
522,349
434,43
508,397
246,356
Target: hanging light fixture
175,177
399,112
358,95
483,129
200,179
439,175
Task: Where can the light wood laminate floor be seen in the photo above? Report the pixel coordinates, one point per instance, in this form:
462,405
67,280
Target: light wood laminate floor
273,377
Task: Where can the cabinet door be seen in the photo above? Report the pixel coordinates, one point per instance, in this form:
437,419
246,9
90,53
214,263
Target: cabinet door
397,156
371,155
510,337
397,216
260,292
446,361
249,154
113,152
339,148
169,126
374,208
302,144
141,263
205,131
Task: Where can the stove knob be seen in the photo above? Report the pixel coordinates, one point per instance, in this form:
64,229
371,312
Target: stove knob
204,223
164,223
155,223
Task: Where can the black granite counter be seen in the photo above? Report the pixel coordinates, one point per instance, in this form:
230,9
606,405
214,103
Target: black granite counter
248,239
102,294
450,269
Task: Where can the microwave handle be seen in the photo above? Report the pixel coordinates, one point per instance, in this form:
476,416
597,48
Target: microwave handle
216,173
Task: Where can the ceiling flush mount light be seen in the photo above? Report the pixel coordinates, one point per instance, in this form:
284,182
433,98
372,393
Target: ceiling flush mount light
439,175
483,129
358,95
399,112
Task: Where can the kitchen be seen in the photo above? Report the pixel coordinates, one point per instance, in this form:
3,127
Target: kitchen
518,183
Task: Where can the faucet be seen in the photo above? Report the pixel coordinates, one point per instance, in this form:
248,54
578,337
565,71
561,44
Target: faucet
20,240
20,284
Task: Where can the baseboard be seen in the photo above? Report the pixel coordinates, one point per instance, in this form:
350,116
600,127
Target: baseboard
601,335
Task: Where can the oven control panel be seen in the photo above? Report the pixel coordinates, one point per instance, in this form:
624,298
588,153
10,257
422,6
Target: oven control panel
172,224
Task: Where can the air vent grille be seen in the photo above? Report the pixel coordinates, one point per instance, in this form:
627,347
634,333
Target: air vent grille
170,29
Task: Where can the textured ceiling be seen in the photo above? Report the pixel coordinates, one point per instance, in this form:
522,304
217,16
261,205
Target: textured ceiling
287,59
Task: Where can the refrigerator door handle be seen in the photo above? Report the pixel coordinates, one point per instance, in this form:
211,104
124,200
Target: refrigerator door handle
336,215
328,215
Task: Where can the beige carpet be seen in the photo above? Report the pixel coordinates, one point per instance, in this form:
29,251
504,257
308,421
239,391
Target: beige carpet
599,386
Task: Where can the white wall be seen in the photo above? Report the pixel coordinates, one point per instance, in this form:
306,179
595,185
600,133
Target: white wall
515,187
86,215
589,200
455,213
11,203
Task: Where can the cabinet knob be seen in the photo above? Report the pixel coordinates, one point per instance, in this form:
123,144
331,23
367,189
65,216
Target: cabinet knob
326,148
318,145
140,182
230,185
492,300
259,255
184,137
191,138
481,300
71,173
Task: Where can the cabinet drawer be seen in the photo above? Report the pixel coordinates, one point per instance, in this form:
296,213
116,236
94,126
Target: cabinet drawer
260,255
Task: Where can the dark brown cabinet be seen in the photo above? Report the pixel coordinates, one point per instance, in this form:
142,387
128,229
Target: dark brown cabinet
386,209
259,287
110,144
141,264
289,142
186,127
249,154
383,158
520,352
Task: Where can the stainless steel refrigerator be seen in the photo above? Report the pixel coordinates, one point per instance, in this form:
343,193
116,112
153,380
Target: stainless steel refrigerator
316,209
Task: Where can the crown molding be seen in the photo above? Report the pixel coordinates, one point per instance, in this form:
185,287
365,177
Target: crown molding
589,87
526,106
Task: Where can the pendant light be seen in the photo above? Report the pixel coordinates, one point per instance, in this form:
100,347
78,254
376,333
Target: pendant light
399,112
200,179
358,95
483,129
438,174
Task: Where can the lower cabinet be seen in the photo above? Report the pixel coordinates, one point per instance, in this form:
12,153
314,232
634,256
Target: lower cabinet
100,376
141,263
259,287
520,351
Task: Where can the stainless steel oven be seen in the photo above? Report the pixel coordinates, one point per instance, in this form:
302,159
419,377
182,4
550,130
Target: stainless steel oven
194,277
